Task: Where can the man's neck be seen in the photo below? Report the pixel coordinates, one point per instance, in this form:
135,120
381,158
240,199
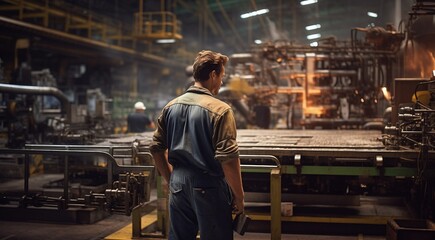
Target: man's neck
205,84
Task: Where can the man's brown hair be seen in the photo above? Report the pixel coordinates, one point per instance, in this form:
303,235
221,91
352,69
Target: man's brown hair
206,61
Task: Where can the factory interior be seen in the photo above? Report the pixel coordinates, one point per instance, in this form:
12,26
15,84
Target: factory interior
332,101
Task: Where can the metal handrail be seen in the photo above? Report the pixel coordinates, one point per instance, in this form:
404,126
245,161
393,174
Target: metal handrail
157,25
266,157
109,149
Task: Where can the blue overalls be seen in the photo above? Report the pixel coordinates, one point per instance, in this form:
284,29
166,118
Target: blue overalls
197,197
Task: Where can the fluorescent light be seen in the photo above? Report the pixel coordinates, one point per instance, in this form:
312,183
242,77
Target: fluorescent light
254,13
258,41
306,2
372,14
310,54
165,40
314,44
312,27
313,36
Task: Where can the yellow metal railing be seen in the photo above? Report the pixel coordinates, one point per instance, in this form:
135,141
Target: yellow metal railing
70,21
275,189
62,17
157,25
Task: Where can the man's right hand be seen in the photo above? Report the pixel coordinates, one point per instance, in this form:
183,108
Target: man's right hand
238,205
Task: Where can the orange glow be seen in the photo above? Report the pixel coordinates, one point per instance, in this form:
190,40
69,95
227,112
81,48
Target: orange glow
315,110
418,61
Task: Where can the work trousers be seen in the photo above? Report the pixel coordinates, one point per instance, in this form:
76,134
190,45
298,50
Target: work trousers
199,202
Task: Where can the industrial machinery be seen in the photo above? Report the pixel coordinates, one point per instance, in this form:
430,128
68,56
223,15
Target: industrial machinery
52,134
411,126
413,129
336,84
50,117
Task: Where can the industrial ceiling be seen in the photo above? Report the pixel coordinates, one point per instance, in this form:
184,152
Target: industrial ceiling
106,33
217,24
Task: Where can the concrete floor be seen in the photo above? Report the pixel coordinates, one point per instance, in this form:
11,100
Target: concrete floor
49,231
32,230
264,236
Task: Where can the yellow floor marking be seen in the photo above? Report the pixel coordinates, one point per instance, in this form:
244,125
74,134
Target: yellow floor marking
126,232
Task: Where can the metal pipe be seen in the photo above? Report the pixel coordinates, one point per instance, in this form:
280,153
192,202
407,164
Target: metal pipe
109,149
36,90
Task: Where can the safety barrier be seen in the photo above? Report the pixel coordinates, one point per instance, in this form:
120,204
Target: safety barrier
275,189
112,165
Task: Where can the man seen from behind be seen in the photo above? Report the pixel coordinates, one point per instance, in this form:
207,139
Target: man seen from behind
202,165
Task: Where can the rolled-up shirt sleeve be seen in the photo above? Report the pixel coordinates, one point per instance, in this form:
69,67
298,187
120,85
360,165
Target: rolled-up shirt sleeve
225,137
159,138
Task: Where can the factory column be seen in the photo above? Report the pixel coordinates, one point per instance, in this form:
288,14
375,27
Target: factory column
134,80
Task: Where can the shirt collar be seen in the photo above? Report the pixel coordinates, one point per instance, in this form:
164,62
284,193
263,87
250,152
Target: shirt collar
200,90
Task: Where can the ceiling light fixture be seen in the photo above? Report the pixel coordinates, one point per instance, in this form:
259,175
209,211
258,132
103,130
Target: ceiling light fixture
165,40
258,41
307,2
313,36
372,14
312,27
255,13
